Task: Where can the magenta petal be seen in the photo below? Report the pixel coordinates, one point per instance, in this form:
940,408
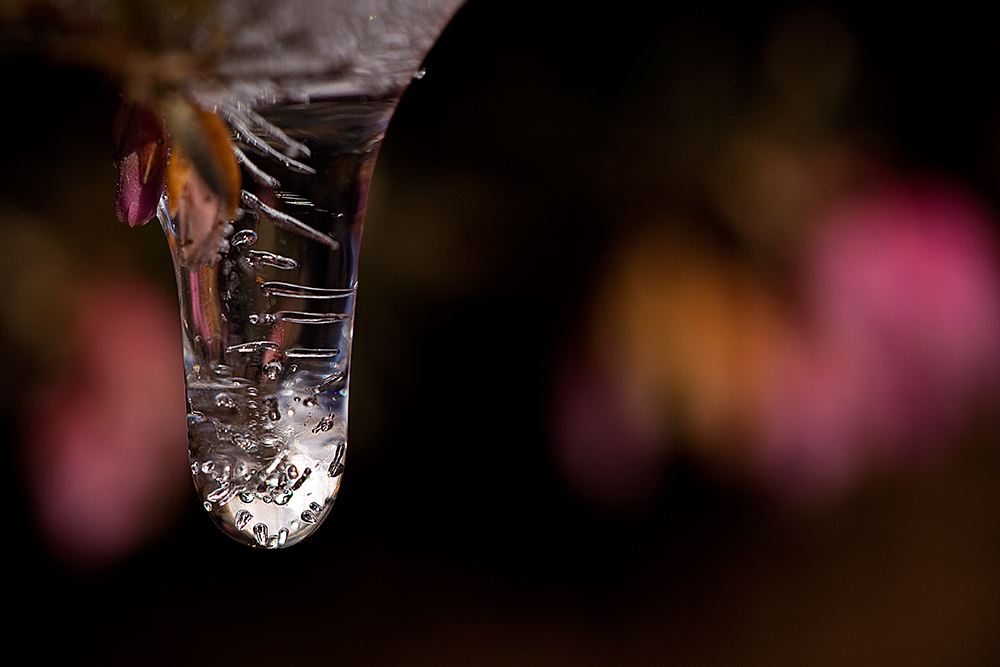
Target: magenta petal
140,147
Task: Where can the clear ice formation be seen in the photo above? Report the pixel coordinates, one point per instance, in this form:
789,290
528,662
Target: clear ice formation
307,91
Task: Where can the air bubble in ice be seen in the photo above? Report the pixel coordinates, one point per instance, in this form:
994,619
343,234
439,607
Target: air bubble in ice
243,517
271,405
301,480
308,516
325,424
244,237
260,534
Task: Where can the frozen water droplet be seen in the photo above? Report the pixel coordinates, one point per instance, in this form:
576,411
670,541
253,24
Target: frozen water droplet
246,497
420,73
207,467
292,472
243,517
282,537
260,534
308,516
315,507
254,318
207,505
251,391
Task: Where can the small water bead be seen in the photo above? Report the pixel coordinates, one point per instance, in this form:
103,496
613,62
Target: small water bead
292,472
243,518
308,516
208,506
282,537
208,467
315,507
260,534
246,497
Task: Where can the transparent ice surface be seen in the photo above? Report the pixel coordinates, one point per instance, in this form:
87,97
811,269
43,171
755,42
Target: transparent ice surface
307,89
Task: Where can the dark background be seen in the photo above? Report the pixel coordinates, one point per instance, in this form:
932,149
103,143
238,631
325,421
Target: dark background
455,540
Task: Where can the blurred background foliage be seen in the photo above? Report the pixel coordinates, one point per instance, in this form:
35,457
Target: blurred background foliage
677,344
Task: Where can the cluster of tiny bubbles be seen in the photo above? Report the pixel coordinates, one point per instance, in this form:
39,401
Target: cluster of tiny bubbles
271,369
269,541
225,400
310,515
262,318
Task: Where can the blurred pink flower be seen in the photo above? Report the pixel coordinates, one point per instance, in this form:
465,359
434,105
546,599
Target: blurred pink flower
902,294
607,440
106,439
